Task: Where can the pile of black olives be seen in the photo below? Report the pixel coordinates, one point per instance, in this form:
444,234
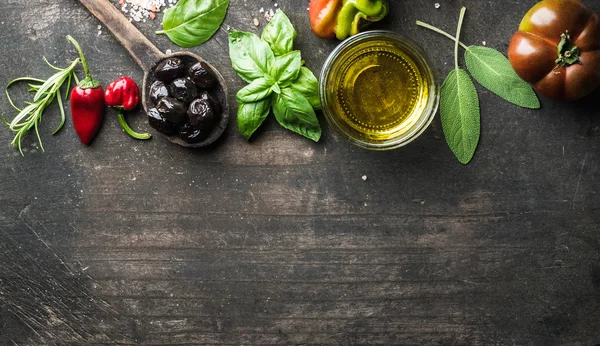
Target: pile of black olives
183,103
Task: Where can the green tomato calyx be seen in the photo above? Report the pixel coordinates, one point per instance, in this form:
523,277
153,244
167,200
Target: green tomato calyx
568,52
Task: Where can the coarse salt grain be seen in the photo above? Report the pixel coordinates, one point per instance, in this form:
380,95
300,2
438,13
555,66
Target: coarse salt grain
139,10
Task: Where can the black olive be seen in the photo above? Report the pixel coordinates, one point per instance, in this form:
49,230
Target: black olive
184,90
172,110
201,114
159,123
214,102
201,74
158,91
190,134
169,69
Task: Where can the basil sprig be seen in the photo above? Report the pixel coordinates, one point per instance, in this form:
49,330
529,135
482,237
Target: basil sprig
278,81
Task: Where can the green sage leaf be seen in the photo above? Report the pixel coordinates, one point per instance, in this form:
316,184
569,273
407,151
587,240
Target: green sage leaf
308,85
460,114
280,34
286,68
258,90
250,56
251,115
293,111
193,22
493,70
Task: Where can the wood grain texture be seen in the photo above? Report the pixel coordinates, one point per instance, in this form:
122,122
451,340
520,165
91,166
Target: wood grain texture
132,40
280,241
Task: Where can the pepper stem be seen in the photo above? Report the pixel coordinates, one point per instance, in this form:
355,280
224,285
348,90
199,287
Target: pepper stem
128,130
568,52
88,82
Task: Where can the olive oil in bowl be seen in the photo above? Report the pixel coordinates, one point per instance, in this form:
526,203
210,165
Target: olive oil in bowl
378,90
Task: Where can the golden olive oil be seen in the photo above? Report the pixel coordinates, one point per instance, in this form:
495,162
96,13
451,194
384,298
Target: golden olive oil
378,91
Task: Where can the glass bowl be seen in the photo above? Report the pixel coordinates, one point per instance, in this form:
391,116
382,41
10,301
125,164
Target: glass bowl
378,90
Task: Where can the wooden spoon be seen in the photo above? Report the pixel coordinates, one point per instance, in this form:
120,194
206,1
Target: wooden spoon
147,56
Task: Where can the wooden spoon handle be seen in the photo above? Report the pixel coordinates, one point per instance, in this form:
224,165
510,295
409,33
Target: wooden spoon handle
139,47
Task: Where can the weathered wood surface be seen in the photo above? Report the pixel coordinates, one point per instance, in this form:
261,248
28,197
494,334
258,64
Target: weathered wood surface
280,241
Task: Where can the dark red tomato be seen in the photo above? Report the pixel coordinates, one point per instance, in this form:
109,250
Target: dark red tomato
557,49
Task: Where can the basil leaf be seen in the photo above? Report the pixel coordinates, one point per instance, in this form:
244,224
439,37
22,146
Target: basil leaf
308,85
280,34
258,90
250,56
293,111
493,70
193,22
460,114
251,115
286,68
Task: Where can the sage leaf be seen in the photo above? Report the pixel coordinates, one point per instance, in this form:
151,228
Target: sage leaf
460,114
258,90
293,111
308,85
493,70
250,56
286,68
193,22
280,34
251,115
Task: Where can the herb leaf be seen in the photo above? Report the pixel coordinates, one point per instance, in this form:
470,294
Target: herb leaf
280,34
250,56
286,68
251,115
193,22
258,90
293,111
493,70
308,85
460,114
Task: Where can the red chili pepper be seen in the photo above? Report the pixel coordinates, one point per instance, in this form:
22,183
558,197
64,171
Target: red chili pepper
124,95
87,102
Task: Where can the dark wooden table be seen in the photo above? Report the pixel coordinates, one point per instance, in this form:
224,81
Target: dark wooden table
280,241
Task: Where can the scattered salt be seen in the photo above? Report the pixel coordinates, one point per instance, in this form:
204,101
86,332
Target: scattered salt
140,10
270,13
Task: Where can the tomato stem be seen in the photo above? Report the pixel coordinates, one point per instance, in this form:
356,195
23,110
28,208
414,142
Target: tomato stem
568,52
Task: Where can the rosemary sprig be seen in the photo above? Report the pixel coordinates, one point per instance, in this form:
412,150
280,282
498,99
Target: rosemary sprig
46,91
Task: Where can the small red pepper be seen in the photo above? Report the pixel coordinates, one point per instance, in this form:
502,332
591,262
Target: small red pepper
344,18
124,95
87,102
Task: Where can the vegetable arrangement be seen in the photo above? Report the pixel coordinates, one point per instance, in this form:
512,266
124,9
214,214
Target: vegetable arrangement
86,102
344,18
459,102
278,81
557,49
